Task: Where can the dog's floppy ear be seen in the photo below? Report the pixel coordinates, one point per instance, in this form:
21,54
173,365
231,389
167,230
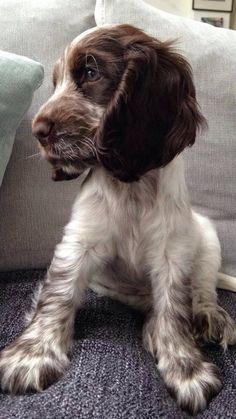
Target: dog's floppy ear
153,114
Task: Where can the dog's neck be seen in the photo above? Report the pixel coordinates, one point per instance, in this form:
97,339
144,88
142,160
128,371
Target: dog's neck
165,184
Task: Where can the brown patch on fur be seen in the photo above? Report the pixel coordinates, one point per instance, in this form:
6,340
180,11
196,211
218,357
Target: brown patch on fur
57,71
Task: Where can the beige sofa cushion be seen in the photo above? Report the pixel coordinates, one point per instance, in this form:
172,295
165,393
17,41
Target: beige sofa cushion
33,209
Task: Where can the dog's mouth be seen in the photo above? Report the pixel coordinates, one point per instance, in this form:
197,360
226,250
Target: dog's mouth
60,174
64,171
62,167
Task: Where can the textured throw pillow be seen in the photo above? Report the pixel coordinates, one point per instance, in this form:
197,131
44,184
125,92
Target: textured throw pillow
19,78
210,163
33,208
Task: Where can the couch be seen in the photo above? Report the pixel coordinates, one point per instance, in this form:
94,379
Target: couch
111,375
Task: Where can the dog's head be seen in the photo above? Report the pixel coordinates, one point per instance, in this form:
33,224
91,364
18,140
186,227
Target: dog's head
122,100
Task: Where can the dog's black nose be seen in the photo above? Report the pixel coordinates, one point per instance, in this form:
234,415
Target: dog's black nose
41,130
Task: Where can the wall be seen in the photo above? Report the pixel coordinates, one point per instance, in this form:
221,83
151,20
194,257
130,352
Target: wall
233,17
184,8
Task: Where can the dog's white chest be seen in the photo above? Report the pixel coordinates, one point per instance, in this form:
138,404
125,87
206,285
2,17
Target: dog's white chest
129,240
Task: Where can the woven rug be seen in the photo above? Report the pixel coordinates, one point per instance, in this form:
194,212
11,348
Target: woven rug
110,376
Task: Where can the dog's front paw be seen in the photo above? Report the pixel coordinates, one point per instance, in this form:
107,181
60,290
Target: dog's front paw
193,393
28,365
213,324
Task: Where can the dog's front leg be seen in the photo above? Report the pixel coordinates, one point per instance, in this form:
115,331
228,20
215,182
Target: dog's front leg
168,336
40,354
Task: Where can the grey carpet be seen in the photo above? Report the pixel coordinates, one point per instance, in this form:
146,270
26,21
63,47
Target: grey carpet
111,376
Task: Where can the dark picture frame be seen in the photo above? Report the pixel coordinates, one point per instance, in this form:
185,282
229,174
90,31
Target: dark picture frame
199,5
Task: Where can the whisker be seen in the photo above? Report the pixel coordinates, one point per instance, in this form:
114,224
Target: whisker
33,155
70,151
89,143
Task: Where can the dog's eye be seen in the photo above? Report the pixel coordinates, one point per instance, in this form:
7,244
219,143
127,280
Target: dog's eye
91,73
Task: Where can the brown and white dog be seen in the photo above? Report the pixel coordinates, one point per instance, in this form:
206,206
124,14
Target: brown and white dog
124,106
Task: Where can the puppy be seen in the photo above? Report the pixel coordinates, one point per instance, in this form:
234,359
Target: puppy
124,107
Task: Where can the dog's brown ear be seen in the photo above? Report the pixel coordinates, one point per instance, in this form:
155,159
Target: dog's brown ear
153,114
187,116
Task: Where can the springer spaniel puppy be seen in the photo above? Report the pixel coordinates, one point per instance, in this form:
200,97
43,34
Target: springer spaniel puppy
124,106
